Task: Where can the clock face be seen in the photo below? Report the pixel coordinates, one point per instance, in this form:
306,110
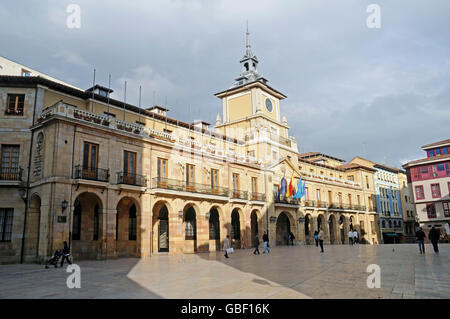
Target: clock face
269,105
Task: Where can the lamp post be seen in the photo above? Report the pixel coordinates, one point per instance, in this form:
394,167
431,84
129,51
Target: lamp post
64,205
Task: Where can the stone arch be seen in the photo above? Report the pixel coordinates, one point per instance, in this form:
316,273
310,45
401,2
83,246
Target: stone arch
214,225
332,229
32,228
191,214
352,223
237,228
255,225
285,224
127,226
86,233
160,223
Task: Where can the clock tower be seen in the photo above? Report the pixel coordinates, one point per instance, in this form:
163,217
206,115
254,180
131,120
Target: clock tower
252,108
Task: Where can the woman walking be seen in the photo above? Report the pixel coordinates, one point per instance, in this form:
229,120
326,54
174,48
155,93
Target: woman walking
321,237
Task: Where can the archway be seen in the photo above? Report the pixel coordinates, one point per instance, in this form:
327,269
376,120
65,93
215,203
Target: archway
87,226
342,228
254,226
308,229
332,227
235,229
283,229
214,229
351,222
32,230
126,228
160,224
321,223
190,229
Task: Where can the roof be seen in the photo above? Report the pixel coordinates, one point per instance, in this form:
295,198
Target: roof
427,160
350,166
388,168
97,86
157,107
313,154
321,165
33,81
254,83
440,143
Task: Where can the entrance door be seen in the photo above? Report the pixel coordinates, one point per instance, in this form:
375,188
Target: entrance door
163,235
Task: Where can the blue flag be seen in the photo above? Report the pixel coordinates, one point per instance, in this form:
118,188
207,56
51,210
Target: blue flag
300,189
283,187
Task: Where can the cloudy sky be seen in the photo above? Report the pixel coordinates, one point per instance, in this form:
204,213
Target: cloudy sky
378,93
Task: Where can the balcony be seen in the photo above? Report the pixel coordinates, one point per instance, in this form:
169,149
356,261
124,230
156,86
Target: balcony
11,174
309,203
182,186
280,139
288,201
93,174
237,194
322,204
131,179
258,197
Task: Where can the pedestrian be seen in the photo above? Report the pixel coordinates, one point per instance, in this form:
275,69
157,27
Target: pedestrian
256,245
316,238
420,235
226,245
355,237
321,236
66,254
433,236
292,237
350,237
266,243
286,238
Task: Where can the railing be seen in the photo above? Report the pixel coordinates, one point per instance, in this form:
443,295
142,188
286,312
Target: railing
258,196
131,179
280,139
329,179
11,173
238,194
309,203
95,174
289,200
182,186
322,204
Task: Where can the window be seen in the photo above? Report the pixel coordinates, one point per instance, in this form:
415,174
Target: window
430,153
435,191
276,191
383,224
440,167
444,151
235,184
350,199
254,188
214,179
419,192
351,178
167,131
10,162
26,72
431,211
190,178
359,200
190,225
318,194
109,114
132,223
129,166
90,157
6,222
446,207
251,153
162,170
330,197
15,104
367,182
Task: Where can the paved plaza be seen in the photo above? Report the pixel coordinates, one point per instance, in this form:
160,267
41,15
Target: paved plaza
287,272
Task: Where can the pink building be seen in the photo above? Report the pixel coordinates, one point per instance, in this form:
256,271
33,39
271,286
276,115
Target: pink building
429,179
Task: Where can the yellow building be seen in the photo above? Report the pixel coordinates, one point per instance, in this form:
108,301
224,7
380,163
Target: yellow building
115,180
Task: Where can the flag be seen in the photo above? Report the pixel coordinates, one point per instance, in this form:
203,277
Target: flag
283,187
300,189
290,190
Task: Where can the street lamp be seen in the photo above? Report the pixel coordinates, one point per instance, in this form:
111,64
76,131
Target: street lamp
64,205
273,219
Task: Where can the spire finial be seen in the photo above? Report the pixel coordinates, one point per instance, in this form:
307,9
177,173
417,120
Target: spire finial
249,52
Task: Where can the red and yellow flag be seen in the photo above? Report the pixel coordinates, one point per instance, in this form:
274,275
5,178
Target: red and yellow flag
290,190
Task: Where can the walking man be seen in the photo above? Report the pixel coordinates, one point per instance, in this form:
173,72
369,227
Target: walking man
266,243
321,237
65,254
420,235
316,238
433,236
226,245
292,237
350,237
355,237
286,238
256,245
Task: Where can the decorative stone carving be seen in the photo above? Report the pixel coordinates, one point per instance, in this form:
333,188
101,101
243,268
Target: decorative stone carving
38,157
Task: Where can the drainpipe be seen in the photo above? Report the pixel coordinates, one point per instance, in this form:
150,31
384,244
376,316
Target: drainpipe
71,186
28,182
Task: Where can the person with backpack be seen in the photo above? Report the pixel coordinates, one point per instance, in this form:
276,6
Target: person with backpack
66,254
420,235
355,237
316,238
226,245
256,251
433,236
321,237
350,237
266,243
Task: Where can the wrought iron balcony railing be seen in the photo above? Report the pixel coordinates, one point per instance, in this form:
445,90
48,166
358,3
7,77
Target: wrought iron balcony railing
238,194
95,174
321,204
182,186
309,203
11,173
258,196
288,200
131,179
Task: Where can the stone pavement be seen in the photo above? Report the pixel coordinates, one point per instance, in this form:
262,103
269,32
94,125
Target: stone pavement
287,272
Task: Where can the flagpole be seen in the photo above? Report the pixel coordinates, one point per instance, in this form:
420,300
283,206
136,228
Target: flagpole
109,90
124,100
93,84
